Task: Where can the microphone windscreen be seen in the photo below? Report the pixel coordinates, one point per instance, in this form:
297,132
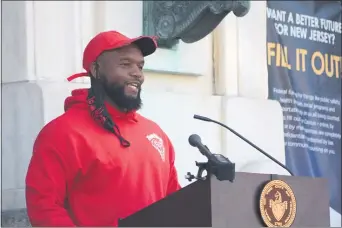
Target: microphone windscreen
194,140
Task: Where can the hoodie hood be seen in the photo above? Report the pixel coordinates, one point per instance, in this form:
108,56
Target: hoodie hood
101,111
78,99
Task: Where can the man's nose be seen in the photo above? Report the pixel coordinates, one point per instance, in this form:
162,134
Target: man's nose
137,73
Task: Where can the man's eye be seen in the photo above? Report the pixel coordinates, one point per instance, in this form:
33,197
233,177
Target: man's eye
125,64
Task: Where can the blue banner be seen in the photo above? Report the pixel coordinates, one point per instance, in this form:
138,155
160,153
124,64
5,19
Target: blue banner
304,75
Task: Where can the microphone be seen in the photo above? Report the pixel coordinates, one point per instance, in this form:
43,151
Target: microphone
196,141
244,139
218,164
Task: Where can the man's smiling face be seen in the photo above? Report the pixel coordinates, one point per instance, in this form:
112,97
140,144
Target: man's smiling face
120,72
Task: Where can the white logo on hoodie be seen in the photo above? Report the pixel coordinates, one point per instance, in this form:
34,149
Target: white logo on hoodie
158,144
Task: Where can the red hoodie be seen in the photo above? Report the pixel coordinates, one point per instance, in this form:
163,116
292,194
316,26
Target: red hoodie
79,175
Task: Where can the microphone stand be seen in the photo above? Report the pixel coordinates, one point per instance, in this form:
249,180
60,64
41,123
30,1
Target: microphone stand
218,165
244,139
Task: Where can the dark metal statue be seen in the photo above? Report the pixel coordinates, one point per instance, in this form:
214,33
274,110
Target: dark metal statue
188,21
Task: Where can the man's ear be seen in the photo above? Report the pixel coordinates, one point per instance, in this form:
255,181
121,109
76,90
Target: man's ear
94,69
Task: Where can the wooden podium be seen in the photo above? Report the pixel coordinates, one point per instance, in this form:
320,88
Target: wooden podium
214,203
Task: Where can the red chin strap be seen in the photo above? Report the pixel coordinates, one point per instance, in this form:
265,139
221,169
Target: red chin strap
72,77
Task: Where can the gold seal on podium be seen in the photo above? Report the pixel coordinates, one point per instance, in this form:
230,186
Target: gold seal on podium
277,204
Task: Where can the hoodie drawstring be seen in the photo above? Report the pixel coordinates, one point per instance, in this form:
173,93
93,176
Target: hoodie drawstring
98,110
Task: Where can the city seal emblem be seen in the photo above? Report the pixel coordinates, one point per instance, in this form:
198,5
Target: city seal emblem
277,204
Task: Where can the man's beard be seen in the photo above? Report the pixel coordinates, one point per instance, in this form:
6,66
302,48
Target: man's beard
116,93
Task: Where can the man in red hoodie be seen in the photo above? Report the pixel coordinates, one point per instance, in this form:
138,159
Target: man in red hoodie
101,161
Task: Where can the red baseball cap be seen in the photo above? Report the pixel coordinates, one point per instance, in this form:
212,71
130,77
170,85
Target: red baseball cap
110,40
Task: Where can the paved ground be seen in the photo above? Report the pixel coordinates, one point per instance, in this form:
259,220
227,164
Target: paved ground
15,218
